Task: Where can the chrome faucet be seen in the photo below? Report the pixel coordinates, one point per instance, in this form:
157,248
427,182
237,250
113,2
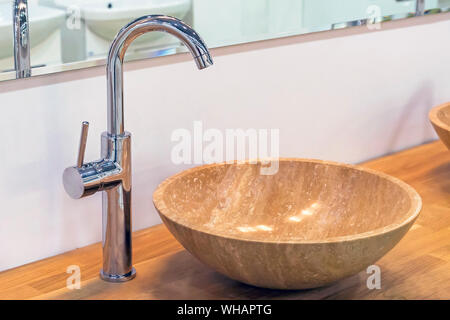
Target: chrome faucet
112,173
21,39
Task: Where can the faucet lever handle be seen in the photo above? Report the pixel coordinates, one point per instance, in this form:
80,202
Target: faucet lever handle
83,140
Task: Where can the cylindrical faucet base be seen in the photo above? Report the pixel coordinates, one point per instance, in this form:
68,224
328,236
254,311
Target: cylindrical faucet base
118,278
117,253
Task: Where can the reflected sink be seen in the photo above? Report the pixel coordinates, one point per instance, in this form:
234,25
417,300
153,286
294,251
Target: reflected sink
309,225
106,17
43,22
440,119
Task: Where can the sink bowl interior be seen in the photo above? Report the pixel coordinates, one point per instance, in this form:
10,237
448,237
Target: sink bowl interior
262,229
440,119
306,200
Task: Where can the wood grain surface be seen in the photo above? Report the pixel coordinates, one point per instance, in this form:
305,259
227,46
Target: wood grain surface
417,268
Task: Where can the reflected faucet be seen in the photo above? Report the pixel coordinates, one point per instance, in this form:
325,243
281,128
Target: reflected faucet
420,8
112,173
21,39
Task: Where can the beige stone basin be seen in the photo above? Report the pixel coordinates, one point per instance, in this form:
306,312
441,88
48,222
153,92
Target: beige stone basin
312,223
440,119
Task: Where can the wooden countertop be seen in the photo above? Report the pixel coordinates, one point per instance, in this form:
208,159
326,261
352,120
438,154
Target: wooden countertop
417,268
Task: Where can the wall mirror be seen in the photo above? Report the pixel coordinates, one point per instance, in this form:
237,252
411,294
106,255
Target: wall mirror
73,34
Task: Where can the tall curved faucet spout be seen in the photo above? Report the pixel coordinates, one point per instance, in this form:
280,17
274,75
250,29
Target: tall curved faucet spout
120,45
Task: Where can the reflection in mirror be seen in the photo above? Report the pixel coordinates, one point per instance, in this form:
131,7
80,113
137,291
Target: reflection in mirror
91,25
21,38
73,34
44,23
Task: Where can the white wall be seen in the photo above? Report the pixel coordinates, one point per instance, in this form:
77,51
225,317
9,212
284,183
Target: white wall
347,96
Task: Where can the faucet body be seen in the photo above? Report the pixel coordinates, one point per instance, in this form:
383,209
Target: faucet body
112,173
21,32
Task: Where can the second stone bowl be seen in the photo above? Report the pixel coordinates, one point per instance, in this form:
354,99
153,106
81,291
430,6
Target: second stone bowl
440,119
310,224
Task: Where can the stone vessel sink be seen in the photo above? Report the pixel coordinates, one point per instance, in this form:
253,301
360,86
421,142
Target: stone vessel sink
310,224
440,119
